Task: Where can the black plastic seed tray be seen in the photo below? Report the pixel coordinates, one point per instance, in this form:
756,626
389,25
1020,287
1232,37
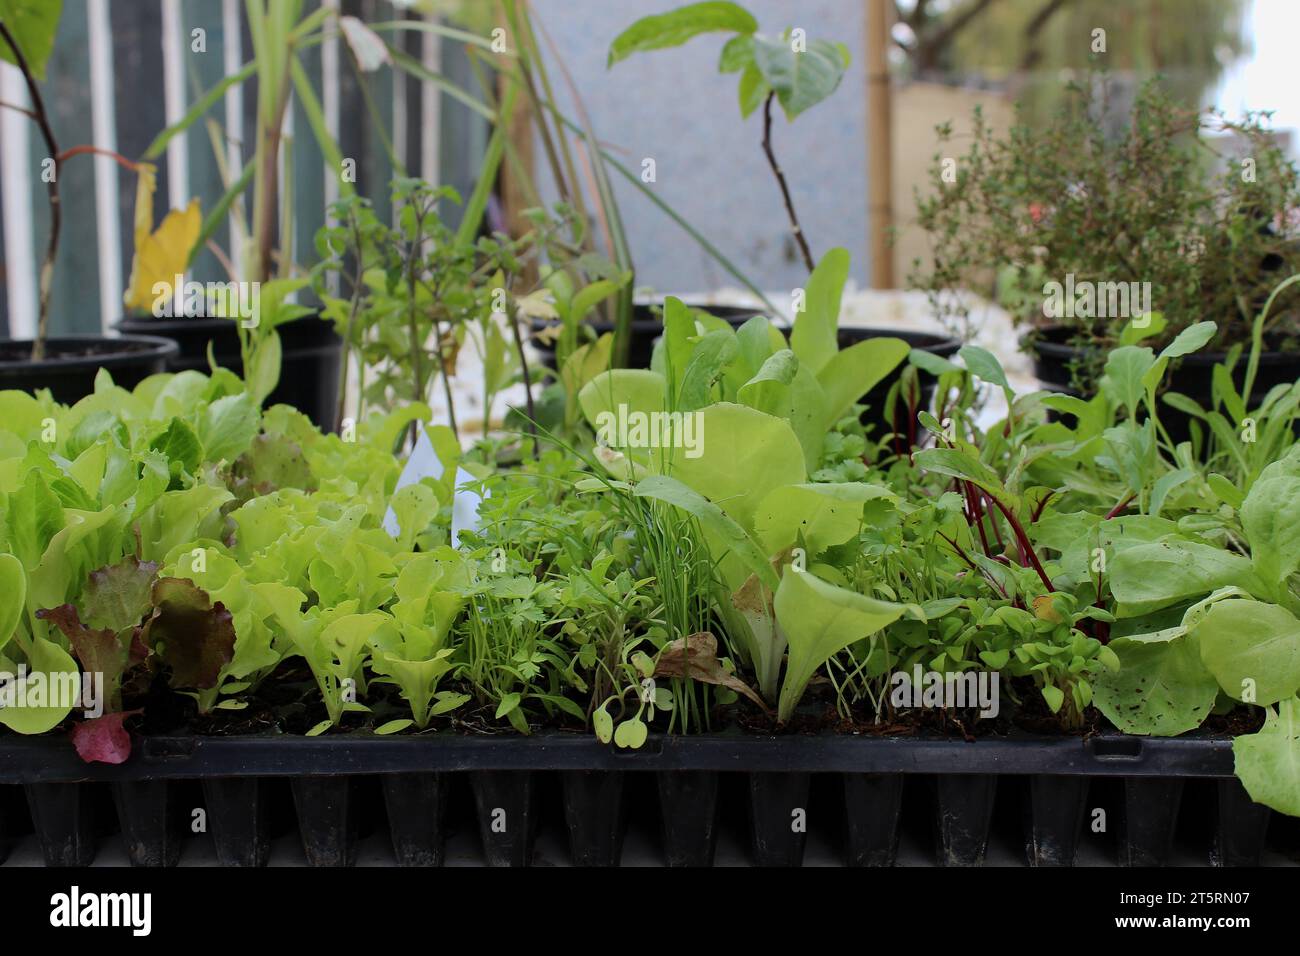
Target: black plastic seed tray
503,772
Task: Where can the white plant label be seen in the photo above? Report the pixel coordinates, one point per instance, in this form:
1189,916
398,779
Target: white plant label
425,463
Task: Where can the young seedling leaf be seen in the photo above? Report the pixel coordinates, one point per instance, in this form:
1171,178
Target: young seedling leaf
1268,762
676,27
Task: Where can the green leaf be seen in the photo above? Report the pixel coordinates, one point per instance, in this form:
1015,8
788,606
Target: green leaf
1189,340
751,91
813,337
1149,577
588,297
34,24
1151,325
508,703
1225,391
640,390
1164,485
53,665
959,464
1054,697
854,371
984,365
263,373
393,726
822,514
228,427
631,734
1161,689
800,80
1268,762
712,352
768,390
744,455
676,27
602,724
1270,516
414,506
1249,644
34,517
59,575
13,596
1125,370
936,365
180,445
726,531
819,621
737,54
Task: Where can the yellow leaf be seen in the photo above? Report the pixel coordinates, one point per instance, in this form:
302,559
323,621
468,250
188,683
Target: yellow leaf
1045,609
162,255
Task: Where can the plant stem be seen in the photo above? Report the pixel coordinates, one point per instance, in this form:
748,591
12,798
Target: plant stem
56,207
96,151
266,190
417,346
357,285
1026,548
1121,507
975,514
512,315
785,190
997,530
446,381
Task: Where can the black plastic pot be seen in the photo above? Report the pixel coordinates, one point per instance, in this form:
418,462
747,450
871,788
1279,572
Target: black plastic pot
903,421
327,773
647,326
63,815
595,813
1053,816
778,804
327,819
872,805
1193,375
239,819
72,362
10,812
963,812
1150,818
417,806
504,799
311,353
150,822
688,807
1241,827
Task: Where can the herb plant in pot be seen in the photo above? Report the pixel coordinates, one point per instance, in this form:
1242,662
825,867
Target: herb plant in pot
67,365
297,352
797,73
1100,239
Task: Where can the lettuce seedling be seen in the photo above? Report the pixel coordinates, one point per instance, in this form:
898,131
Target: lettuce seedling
431,590
334,642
